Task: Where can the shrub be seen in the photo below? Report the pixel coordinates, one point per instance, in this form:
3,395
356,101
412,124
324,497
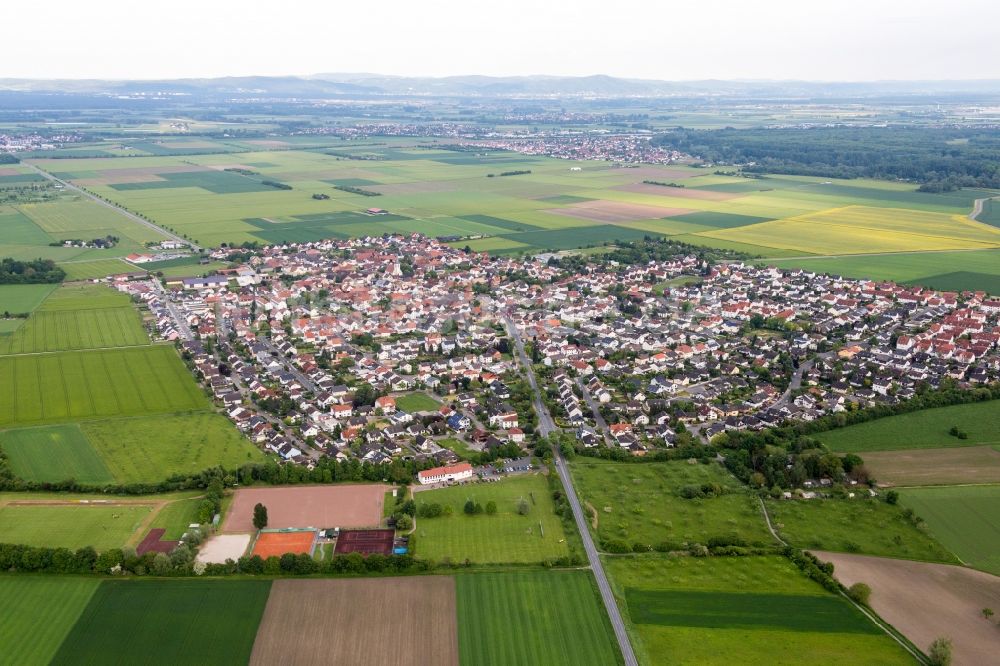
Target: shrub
939,653
860,593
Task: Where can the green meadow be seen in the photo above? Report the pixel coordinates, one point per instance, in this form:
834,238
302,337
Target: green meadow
966,519
506,537
642,504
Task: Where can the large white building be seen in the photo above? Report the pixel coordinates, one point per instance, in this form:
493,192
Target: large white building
457,472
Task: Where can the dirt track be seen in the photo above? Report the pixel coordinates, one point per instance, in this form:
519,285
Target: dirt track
309,506
400,621
927,601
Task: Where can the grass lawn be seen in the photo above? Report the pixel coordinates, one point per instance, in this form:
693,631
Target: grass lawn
639,503
926,429
538,617
864,526
966,519
457,446
151,448
748,610
417,402
52,454
502,538
175,518
71,526
168,622
38,613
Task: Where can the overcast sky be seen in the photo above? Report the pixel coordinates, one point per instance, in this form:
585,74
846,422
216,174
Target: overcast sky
657,39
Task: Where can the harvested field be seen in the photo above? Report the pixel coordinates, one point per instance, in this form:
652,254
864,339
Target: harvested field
351,622
278,543
680,192
365,542
309,506
923,467
929,601
602,210
224,547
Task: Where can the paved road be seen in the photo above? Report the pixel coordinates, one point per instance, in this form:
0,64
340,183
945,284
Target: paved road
307,383
602,425
546,425
183,328
135,218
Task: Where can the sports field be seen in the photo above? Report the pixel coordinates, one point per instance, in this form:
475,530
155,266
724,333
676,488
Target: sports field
355,505
867,526
966,519
925,429
37,613
505,537
416,402
276,544
539,617
748,610
167,622
406,621
643,503
71,524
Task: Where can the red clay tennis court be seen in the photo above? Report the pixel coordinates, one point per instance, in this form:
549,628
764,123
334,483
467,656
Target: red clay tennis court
279,543
365,542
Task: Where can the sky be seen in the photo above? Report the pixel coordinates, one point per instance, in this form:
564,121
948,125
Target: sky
842,40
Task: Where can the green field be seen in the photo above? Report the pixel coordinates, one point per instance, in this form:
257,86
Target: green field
748,610
167,622
980,269
22,298
148,449
417,402
966,519
71,525
439,192
506,537
52,454
640,503
70,386
38,613
925,429
76,329
539,617
865,526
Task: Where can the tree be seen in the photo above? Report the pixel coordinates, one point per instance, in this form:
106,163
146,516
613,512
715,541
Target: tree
892,497
523,507
260,516
470,507
987,613
860,593
403,522
491,508
940,652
